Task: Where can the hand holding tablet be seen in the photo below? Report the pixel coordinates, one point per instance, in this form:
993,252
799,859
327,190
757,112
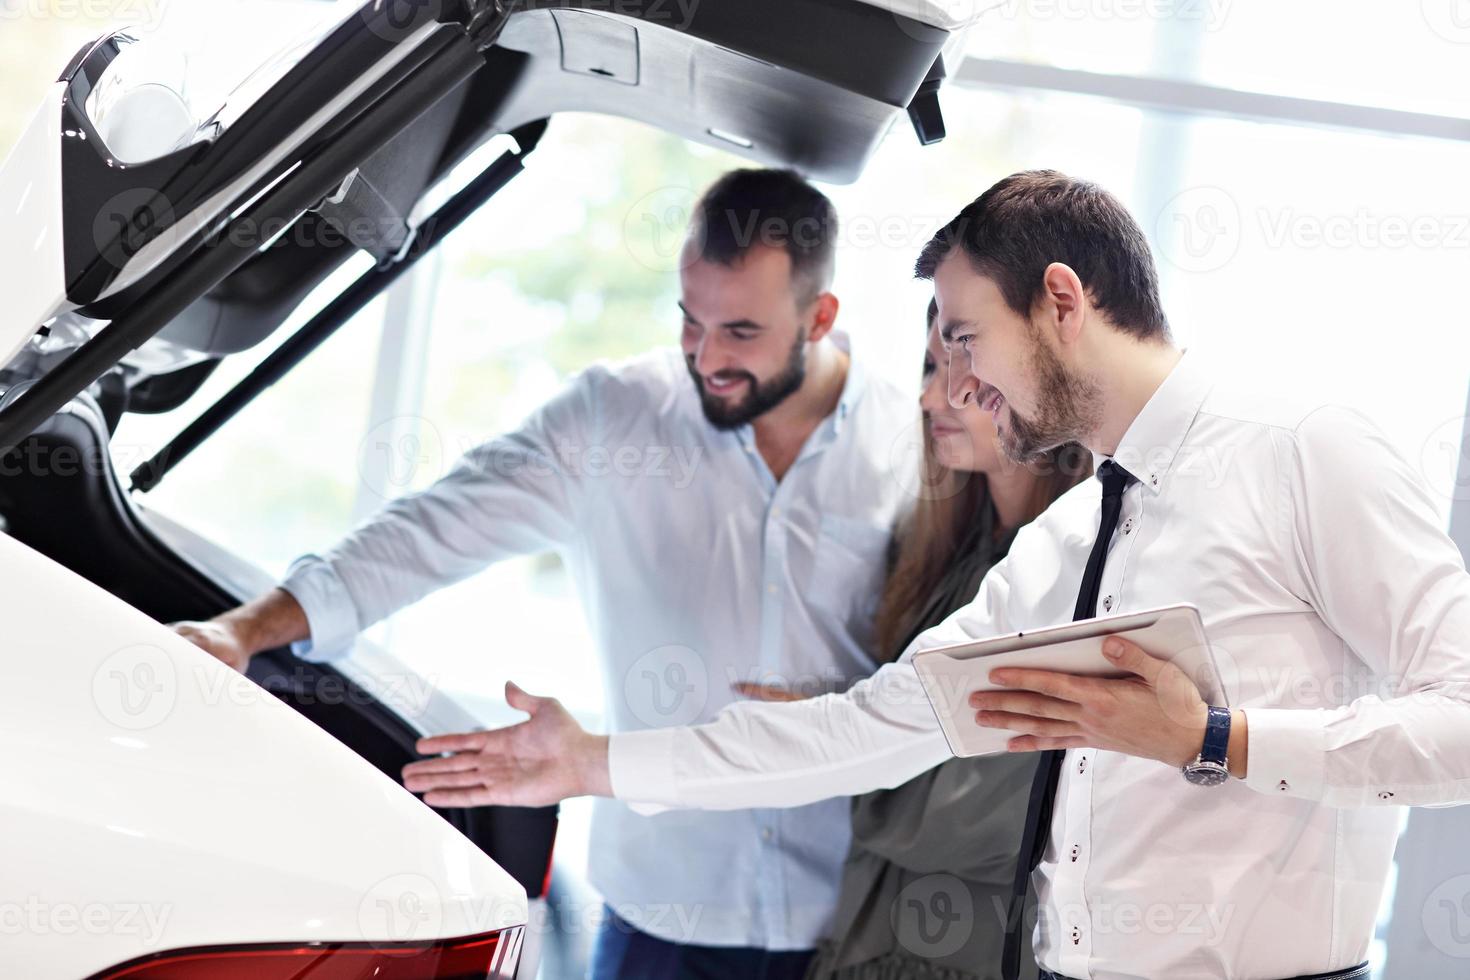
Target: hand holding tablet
951,674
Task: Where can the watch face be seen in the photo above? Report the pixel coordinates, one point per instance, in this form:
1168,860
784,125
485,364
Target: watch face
1206,773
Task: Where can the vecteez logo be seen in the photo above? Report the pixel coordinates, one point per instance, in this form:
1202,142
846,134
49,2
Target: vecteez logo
135,688
666,687
1199,229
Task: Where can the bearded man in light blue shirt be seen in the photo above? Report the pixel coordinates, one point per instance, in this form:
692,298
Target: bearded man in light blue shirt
755,551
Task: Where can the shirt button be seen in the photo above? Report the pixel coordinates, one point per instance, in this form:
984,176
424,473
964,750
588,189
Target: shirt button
1128,526
767,834
775,512
1108,603
771,588
1081,765
1076,936
1282,786
1076,849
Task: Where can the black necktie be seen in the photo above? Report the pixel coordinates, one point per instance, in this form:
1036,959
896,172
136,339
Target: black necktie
1115,480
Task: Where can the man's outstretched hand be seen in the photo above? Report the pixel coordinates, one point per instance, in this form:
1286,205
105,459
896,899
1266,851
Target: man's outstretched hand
543,760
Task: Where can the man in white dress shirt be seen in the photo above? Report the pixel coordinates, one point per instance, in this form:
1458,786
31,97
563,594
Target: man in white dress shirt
725,511
1250,841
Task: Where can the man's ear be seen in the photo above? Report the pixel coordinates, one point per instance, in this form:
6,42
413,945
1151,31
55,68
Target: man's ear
1064,301
823,317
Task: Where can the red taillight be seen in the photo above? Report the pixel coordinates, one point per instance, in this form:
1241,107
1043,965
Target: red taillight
493,956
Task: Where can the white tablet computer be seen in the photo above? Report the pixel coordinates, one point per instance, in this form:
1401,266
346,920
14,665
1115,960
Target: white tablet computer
951,674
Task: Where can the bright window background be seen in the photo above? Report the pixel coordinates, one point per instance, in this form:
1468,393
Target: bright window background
1310,259
1407,55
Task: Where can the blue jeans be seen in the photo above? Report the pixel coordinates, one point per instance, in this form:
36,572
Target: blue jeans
624,953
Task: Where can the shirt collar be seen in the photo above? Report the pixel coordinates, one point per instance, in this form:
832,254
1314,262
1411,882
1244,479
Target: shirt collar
852,388
1152,442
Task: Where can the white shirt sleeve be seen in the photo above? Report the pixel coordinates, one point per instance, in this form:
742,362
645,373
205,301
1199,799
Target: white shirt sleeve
512,495
878,734
1378,567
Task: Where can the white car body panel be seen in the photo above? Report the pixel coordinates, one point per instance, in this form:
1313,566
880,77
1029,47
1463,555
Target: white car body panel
155,799
396,685
30,213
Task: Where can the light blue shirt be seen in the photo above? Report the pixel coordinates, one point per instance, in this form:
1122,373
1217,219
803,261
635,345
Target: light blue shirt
697,570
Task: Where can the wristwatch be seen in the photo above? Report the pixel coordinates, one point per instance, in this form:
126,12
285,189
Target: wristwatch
1211,767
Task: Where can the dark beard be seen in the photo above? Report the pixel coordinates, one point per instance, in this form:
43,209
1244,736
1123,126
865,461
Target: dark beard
761,396
1068,407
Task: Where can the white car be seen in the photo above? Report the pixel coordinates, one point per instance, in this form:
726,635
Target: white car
163,816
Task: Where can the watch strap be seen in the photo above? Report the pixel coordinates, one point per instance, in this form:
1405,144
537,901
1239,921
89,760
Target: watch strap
1217,735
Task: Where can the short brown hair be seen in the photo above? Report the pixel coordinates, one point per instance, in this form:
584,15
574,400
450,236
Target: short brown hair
1031,219
778,208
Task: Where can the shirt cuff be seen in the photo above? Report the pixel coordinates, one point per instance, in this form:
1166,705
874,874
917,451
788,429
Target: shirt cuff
1286,752
640,767
331,615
